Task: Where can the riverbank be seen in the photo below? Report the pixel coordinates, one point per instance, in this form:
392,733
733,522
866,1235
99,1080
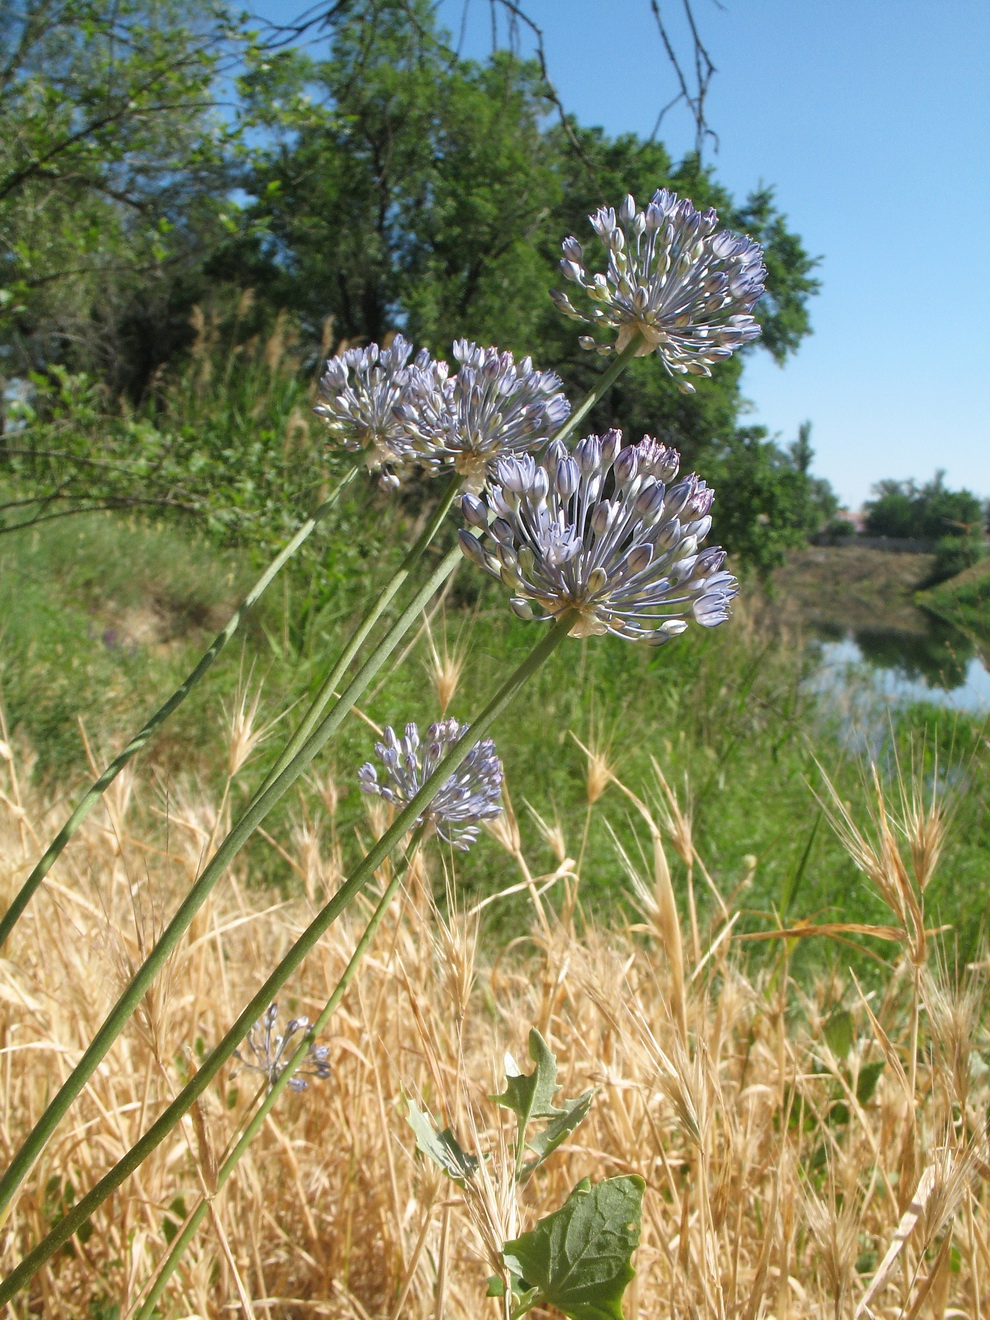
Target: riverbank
850,587
964,601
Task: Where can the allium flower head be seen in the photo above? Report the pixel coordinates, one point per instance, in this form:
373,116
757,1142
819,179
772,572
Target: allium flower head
267,1051
599,531
492,406
673,277
473,793
361,397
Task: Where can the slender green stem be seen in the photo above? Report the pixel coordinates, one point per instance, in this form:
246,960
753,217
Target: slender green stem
254,813
261,1113
221,1052
602,386
99,786
332,681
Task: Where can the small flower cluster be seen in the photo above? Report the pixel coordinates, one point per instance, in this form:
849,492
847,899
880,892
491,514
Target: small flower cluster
599,532
268,1051
686,287
400,414
493,406
363,413
472,794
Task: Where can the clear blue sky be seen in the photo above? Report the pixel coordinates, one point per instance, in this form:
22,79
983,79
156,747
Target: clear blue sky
870,117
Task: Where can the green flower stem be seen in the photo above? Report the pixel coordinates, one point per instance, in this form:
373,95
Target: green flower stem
332,681
605,383
221,1052
250,1132
99,786
254,813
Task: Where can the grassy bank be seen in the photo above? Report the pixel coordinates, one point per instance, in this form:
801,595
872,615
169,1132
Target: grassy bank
850,587
964,601
104,615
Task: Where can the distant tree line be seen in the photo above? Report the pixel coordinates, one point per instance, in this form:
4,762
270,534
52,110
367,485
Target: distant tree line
955,520
161,158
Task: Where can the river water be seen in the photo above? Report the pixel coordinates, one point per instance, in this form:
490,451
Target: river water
939,665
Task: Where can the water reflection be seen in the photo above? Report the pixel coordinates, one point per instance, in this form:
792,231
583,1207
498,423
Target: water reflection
940,657
938,664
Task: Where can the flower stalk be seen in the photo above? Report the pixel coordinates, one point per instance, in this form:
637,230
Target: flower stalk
332,680
221,1052
601,388
258,808
298,1057
99,786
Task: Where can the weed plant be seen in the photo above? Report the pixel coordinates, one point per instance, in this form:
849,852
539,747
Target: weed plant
794,1162
598,540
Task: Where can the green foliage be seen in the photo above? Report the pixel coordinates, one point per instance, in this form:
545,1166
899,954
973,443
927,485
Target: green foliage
928,512
114,172
386,181
954,554
407,186
577,1259
442,1148
964,601
767,501
230,442
411,187
838,530
954,519
530,1097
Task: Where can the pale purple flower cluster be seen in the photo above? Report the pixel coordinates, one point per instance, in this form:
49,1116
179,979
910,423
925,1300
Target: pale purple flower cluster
361,398
267,1051
674,278
491,407
599,531
472,794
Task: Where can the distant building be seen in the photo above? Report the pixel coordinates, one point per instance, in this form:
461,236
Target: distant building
856,520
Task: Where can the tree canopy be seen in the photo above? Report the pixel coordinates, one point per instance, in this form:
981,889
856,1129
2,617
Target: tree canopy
163,156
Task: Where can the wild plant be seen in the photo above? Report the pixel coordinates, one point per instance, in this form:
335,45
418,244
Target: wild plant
782,1155
596,539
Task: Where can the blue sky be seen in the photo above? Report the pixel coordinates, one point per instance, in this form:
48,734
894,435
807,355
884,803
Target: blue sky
871,121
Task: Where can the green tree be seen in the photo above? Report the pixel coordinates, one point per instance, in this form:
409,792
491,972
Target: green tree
929,512
389,185
955,520
403,187
114,172
767,501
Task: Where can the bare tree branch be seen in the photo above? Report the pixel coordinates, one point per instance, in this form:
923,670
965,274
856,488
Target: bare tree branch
693,98
692,90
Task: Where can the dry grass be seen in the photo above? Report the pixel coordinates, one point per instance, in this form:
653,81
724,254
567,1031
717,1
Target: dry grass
779,1182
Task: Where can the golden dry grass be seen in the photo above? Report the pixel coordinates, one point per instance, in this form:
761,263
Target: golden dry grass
778,1183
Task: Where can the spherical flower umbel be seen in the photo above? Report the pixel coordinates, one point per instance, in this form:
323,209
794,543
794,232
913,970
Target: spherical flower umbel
492,406
473,793
266,1051
600,532
673,277
361,395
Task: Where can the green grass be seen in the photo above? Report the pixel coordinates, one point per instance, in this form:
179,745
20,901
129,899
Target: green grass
725,712
964,601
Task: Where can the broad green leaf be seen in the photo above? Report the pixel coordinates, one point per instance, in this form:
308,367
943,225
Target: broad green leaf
578,1258
521,1301
839,1032
866,1082
547,1141
529,1095
442,1148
